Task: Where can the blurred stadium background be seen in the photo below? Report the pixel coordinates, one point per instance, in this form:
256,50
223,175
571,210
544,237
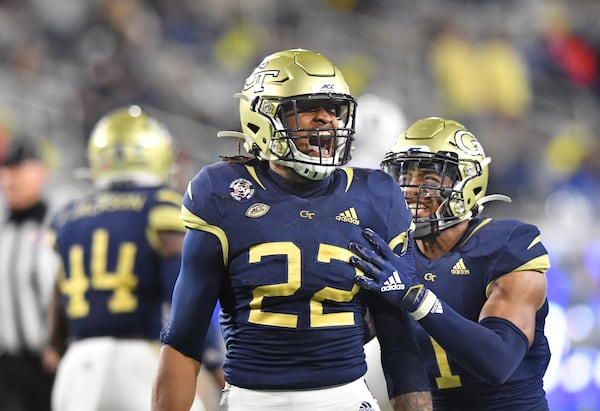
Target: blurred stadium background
523,75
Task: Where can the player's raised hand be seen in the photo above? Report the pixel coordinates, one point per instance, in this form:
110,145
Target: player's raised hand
391,275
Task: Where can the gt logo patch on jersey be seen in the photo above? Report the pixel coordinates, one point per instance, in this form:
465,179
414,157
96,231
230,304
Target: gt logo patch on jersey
429,277
241,189
307,214
257,210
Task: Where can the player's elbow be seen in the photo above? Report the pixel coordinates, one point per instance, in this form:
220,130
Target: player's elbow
506,352
497,374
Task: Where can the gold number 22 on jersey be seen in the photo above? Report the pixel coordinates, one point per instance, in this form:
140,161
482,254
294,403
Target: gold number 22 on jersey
317,317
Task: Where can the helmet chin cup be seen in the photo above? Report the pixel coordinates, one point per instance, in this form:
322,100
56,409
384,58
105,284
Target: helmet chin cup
432,227
426,229
313,172
307,170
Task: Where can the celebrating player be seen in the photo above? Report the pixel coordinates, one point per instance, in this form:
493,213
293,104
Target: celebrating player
479,289
267,236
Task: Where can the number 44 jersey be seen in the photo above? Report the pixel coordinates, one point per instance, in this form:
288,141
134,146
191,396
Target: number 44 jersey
112,283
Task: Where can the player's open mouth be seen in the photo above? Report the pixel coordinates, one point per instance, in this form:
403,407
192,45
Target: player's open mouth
321,145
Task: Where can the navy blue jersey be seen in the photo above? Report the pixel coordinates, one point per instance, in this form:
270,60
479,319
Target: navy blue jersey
112,283
489,249
291,314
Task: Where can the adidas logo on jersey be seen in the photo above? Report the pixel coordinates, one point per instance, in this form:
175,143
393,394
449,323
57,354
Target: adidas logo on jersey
348,216
460,268
393,283
365,406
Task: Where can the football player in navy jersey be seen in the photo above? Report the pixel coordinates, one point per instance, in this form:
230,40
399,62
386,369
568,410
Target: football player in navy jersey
267,237
478,293
120,248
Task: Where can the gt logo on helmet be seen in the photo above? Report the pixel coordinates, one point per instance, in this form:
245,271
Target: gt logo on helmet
257,80
468,143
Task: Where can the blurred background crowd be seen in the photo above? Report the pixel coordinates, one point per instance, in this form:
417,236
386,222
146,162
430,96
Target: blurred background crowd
523,75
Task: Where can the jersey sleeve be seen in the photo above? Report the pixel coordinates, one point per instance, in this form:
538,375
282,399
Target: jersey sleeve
195,294
522,251
202,270
164,214
199,208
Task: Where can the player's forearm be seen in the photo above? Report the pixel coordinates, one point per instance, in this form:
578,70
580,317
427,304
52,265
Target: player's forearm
413,401
175,384
491,350
168,397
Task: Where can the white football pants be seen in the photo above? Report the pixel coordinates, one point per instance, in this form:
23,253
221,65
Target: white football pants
107,374
354,396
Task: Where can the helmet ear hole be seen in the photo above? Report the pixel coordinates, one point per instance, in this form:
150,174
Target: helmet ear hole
457,207
279,148
251,148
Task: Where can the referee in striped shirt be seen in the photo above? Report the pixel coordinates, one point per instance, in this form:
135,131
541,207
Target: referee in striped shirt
27,269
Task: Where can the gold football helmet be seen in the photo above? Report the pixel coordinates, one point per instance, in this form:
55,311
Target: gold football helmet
129,146
448,149
293,81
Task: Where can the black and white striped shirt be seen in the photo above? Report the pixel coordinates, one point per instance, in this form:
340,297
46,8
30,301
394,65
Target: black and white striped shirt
27,271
